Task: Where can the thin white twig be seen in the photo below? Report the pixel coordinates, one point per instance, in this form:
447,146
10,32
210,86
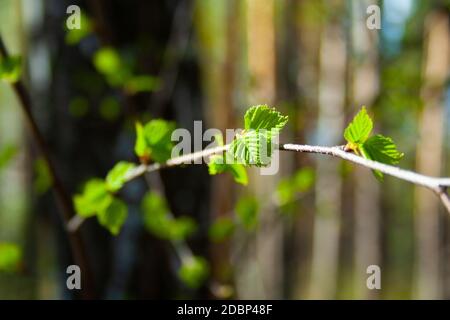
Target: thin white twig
437,184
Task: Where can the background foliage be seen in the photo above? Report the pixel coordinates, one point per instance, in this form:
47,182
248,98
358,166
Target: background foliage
308,232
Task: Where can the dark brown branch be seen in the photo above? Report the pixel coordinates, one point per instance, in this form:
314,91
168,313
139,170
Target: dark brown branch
64,200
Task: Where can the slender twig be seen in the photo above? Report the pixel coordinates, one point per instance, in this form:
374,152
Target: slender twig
438,185
410,176
176,161
66,207
75,222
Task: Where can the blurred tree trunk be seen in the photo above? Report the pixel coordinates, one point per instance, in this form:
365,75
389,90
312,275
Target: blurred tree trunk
429,154
367,250
307,47
157,35
263,263
329,182
223,117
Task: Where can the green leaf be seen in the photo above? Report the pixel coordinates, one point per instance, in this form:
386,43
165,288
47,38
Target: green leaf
285,192
194,272
158,221
95,198
74,36
217,165
181,228
221,229
43,179
7,153
359,129
108,62
140,147
264,117
158,135
10,68
114,216
304,179
254,145
117,177
10,257
247,211
142,84
382,149
252,148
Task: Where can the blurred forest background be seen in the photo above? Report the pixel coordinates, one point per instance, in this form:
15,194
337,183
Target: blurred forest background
310,231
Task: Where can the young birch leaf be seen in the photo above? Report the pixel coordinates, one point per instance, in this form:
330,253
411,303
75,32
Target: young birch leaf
194,272
94,198
117,176
140,147
158,134
264,117
382,149
254,145
359,129
114,216
10,68
217,165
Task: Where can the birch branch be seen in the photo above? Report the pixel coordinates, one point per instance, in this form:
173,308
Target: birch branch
436,184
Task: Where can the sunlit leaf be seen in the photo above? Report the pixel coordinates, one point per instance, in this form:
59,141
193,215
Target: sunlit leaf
359,129
109,63
254,145
10,68
264,117
194,272
140,147
117,176
217,165
94,198
114,216
154,140
10,257
382,149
